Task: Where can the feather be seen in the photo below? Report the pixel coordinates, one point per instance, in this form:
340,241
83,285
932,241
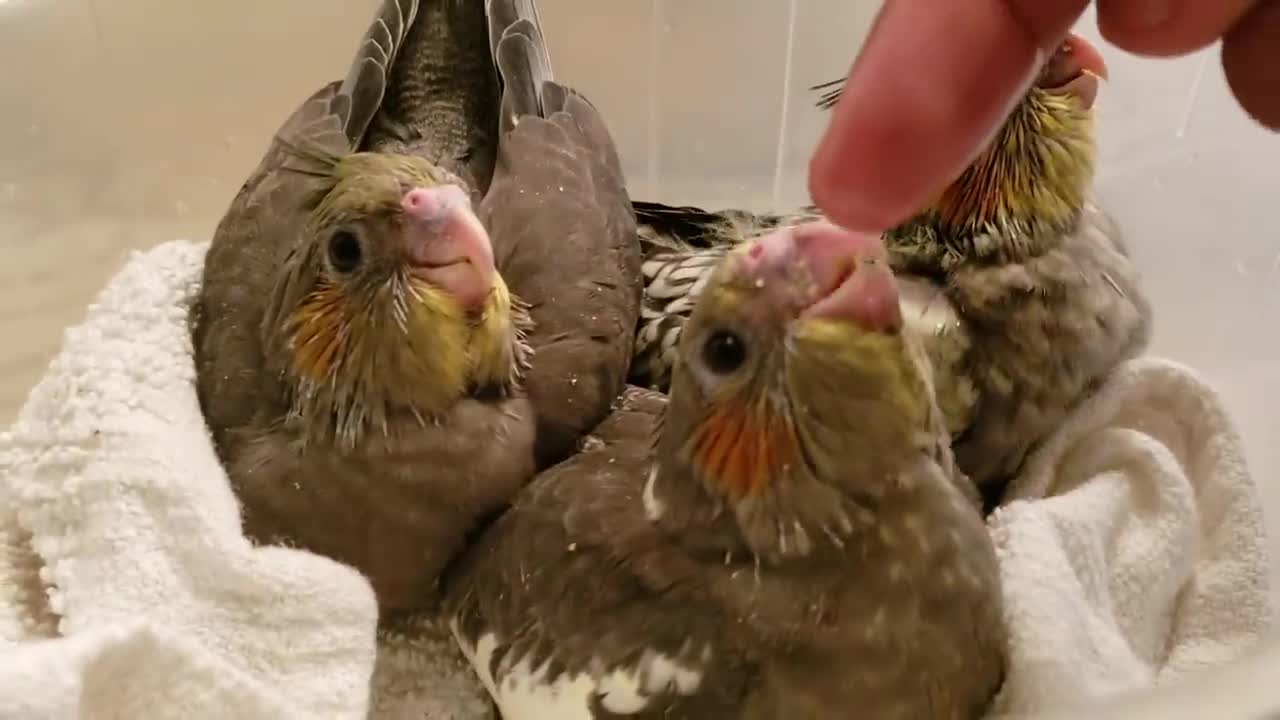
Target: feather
370,74
355,404
698,577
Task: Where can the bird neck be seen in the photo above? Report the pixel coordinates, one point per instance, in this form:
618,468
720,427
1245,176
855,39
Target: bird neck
803,520
789,472
361,359
1025,190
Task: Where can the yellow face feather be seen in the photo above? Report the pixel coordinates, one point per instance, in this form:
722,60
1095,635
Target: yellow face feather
491,354
380,340
367,184
801,401
847,375
342,339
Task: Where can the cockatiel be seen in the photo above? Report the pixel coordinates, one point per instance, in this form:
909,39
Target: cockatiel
1039,297
796,544
362,364
683,244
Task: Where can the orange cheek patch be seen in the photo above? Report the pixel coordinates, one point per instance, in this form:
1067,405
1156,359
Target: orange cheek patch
737,450
317,333
971,195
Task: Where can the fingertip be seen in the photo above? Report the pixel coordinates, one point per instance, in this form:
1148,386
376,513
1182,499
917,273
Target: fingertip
930,87
1165,28
1250,52
838,189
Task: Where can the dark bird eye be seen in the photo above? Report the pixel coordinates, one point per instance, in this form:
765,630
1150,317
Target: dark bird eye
724,352
344,251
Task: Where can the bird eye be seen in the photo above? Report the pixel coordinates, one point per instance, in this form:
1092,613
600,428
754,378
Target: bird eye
724,352
344,251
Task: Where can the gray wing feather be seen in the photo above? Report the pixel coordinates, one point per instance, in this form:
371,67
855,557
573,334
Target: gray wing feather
558,99
558,191
367,79
520,53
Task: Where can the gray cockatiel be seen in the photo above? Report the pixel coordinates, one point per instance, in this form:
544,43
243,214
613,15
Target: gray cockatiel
683,244
1039,297
796,544
421,295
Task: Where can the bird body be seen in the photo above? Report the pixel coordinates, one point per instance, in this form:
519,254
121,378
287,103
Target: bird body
1023,288
370,313
796,543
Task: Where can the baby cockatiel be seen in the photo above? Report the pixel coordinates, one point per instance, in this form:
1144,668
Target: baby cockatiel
1040,274
796,544
363,366
683,244
1041,296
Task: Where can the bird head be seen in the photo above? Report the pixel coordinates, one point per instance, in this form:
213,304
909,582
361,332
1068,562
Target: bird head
1033,177
390,300
795,387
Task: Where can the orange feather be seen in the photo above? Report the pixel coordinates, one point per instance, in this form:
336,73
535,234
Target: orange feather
317,326
738,450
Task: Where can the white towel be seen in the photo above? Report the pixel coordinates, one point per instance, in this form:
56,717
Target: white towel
1133,553
1132,547
127,589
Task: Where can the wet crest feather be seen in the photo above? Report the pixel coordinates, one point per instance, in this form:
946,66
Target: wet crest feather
1019,196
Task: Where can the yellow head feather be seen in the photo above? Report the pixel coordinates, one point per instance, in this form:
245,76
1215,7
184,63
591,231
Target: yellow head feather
381,341
1027,187
802,400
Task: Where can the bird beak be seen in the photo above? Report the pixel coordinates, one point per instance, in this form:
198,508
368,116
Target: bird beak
1075,69
446,245
848,273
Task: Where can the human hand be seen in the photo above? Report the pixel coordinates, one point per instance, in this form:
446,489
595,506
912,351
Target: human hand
935,80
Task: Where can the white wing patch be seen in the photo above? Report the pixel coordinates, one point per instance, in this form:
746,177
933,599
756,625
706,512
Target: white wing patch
525,692
653,506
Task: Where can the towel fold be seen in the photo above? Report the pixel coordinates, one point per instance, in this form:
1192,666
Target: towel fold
120,522
1132,546
1132,549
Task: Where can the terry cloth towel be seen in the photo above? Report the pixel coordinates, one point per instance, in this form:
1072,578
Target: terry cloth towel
127,589
1132,546
1132,549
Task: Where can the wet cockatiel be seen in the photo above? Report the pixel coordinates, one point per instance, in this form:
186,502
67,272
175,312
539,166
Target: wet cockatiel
374,384
1023,282
797,542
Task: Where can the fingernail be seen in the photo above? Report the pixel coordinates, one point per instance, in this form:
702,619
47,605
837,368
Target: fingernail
1143,14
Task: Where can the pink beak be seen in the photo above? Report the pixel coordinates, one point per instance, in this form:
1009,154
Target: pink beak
851,278
445,244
